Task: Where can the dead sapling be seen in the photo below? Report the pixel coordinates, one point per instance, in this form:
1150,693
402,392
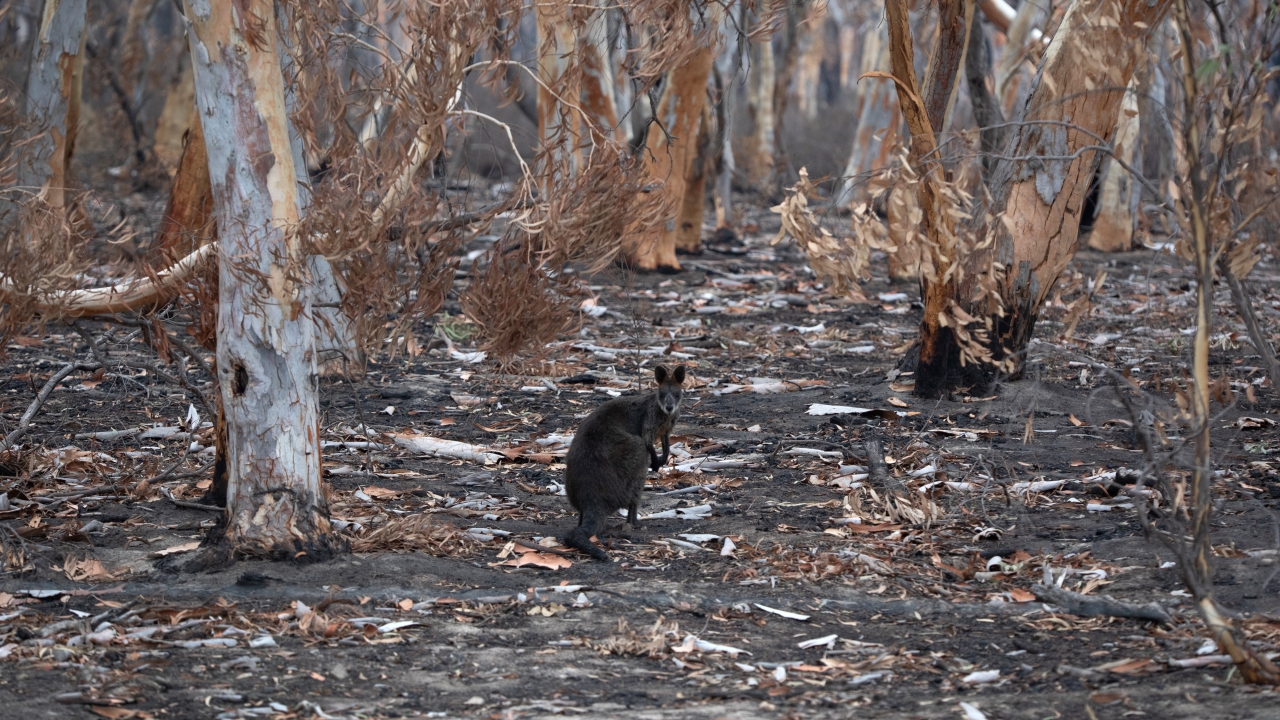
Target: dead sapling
612,452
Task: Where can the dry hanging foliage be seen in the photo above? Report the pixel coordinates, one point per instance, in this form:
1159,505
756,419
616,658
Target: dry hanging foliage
517,305
840,262
389,236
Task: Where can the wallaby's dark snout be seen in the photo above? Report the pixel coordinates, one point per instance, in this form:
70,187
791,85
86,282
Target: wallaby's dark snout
611,452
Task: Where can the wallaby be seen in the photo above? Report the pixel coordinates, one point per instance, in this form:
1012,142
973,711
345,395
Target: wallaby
610,453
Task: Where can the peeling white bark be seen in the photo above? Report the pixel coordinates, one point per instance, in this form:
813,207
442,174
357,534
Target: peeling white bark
53,91
266,342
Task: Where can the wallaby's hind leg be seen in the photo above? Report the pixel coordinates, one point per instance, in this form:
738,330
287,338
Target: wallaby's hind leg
632,516
589,523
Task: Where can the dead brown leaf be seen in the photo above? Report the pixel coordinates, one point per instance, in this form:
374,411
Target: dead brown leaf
87,570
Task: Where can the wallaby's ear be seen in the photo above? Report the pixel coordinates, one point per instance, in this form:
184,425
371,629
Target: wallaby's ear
679,374
660,374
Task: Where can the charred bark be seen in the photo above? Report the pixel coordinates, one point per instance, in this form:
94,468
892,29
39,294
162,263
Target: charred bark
689,236
1038,187
941,80
188,221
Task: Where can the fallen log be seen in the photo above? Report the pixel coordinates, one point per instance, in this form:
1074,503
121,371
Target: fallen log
1098,605
447,448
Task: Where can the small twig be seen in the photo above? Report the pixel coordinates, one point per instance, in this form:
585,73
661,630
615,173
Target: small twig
24,423
193,473
187,504
848,454
539,548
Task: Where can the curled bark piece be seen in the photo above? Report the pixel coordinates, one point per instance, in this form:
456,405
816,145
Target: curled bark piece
1098,605
447,448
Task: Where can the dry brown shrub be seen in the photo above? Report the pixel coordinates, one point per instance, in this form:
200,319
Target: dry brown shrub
517,306
913,509
626,642
406,533
41,258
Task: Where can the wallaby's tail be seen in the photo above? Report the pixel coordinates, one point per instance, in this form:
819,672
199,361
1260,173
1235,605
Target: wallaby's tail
579,538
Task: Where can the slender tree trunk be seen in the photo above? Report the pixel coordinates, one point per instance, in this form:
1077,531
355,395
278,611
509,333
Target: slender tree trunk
689,235
1013,73
942,80
722,153
176,117
877,121
847,29
760,88
727,70
784,74
598,98
812,41
670,147
1036,202
559,128
266,337
390,40
53,102
1199,577
986,109
1118,195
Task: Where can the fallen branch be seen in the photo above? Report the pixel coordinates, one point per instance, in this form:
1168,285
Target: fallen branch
187,504
877,471
535,546
24,423
1256,335
447,448
1098,605
844,449
123,297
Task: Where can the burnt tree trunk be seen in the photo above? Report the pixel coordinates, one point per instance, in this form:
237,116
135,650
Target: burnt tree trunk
877,117
1118,191
1038,187
266,356
761,79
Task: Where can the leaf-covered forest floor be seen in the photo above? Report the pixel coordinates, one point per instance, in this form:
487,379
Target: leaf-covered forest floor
918,609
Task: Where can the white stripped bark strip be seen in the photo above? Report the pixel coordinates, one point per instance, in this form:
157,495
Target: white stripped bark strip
447,448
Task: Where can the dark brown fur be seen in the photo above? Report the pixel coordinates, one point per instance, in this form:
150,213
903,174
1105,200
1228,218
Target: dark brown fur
611,453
